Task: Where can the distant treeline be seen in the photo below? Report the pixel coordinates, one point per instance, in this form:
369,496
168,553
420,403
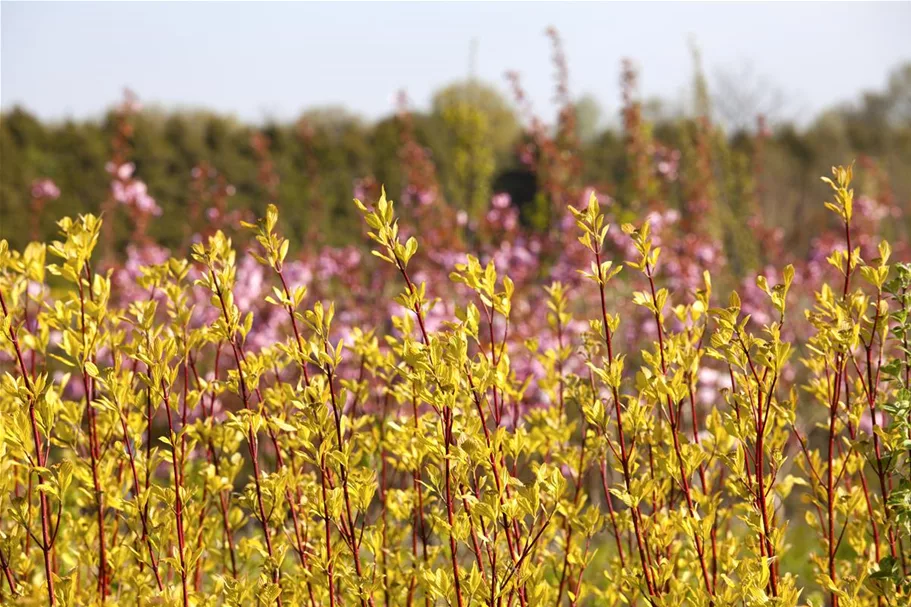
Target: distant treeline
473,142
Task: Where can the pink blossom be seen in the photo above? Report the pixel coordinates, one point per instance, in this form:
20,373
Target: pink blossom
667,163
706,253
46,189
122,172
135,193
35,289
426,197
870,208
501,200
526,157
359,191
706,396
709,377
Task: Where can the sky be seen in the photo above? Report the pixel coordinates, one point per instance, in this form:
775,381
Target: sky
261,61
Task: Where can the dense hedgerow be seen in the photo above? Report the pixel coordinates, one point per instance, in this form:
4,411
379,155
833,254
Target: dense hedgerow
164,444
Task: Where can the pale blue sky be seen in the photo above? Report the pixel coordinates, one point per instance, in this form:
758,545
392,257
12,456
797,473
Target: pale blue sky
259,60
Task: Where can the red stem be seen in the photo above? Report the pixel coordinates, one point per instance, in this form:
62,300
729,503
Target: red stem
641,541
447,438
178,500
142,512
95,454
252,442
40,461
674,421
212,455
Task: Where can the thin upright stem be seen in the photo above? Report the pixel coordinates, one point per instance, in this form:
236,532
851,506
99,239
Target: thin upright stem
39,461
